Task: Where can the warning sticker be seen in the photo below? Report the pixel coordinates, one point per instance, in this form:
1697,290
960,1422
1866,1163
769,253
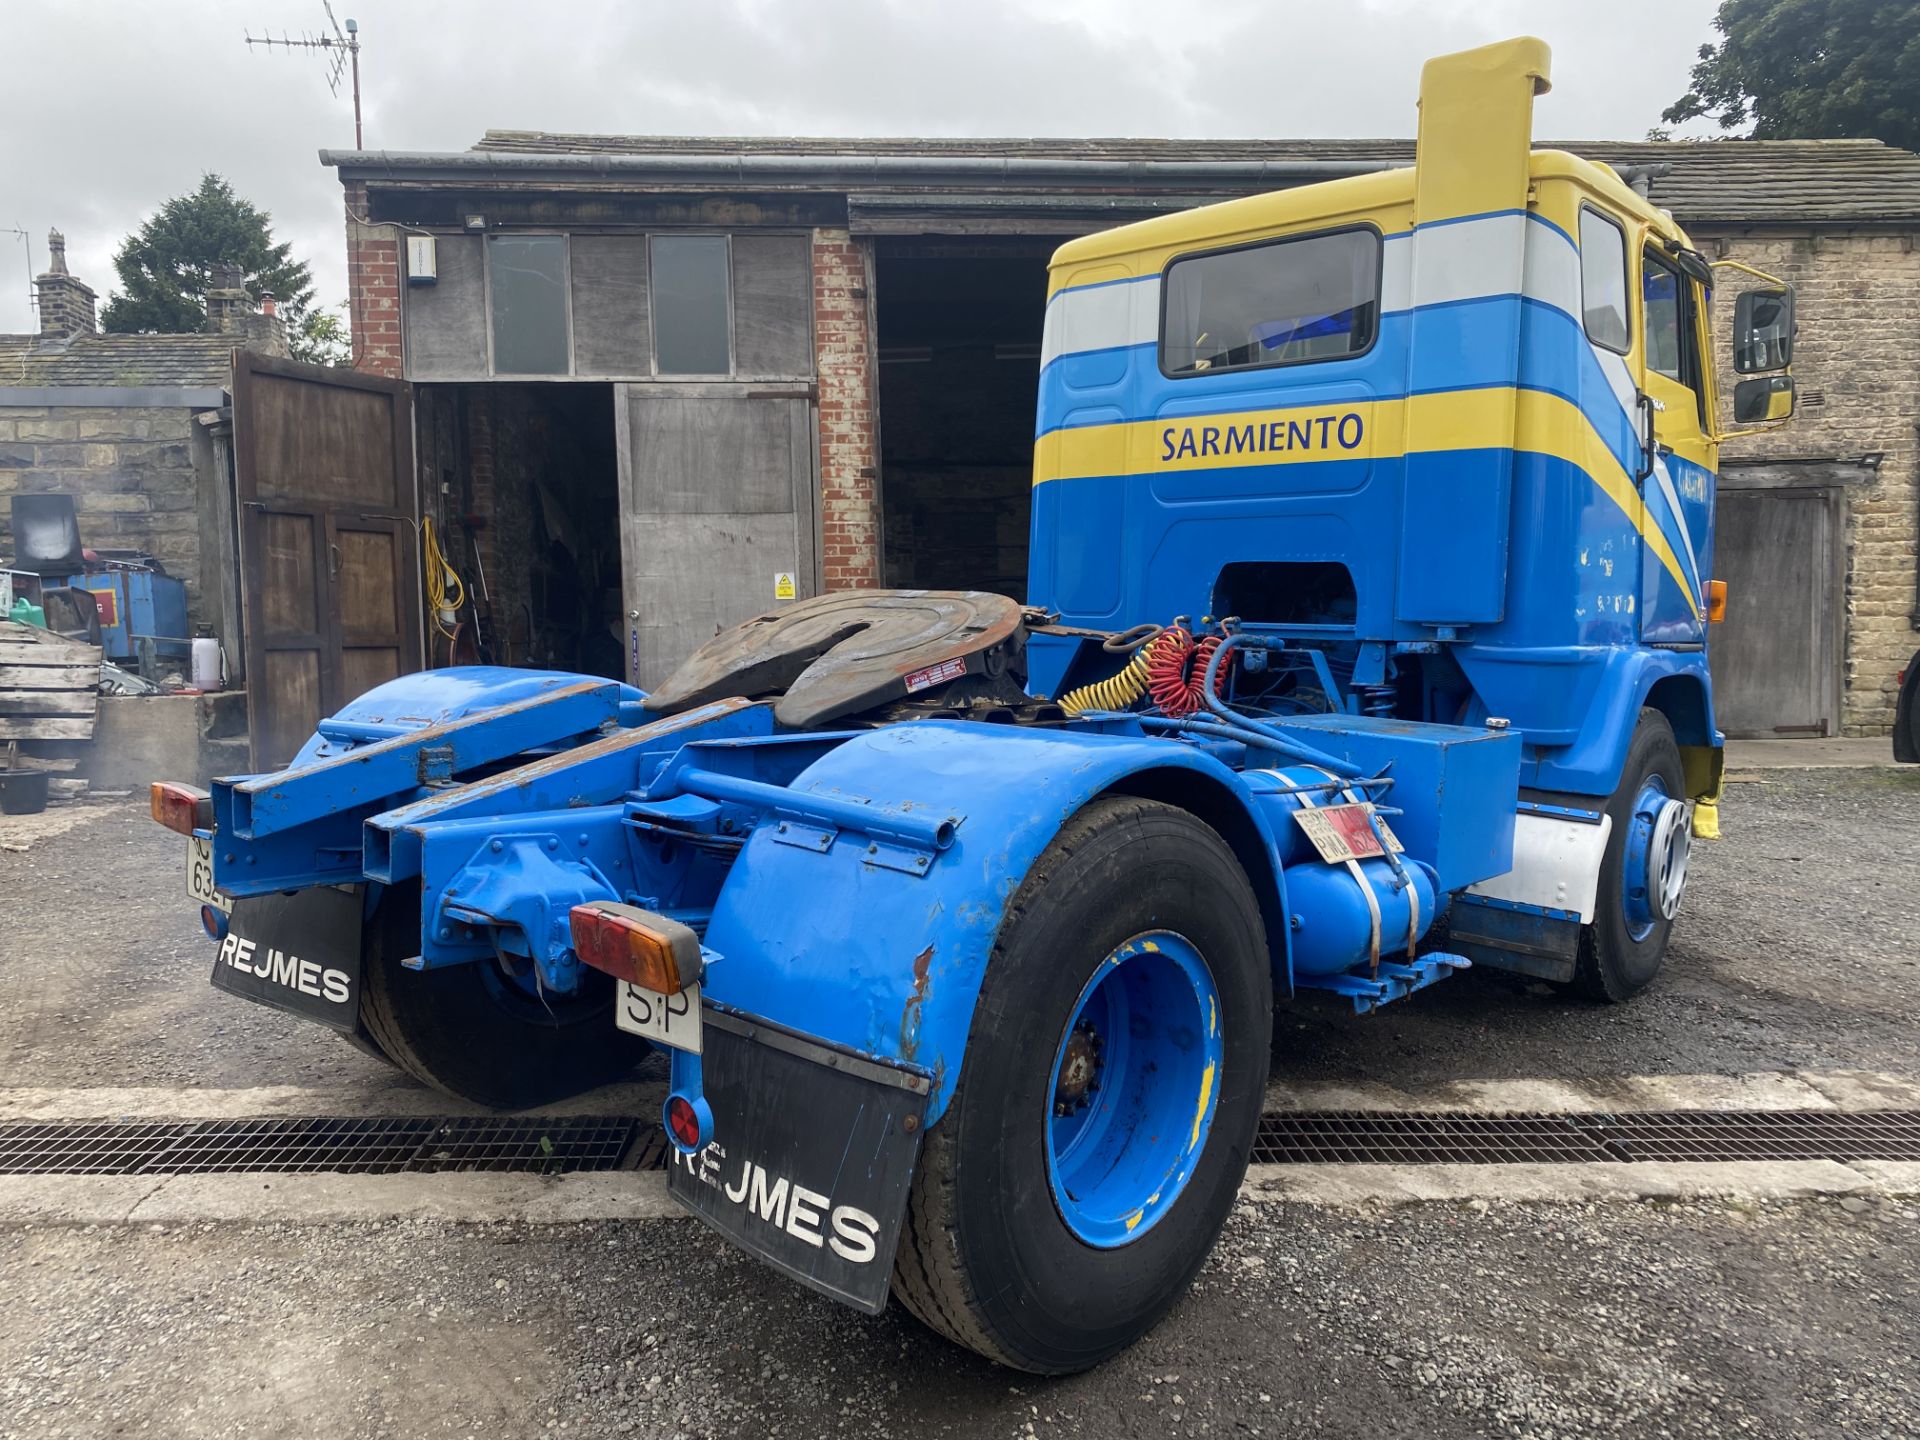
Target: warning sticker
1345,832
936,675
783,586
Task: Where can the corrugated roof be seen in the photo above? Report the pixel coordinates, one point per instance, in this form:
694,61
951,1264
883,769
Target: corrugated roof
1741,181
148,360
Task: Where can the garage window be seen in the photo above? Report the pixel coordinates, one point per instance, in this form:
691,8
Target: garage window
528,279
692,331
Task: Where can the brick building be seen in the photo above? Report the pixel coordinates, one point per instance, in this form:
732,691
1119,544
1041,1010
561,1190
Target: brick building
134,428
685,378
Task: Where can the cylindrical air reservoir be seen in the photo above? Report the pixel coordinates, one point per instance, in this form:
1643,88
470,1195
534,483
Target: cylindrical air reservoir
1328,919
1326,913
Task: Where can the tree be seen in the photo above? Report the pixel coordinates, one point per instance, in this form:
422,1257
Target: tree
1811,69
322,338
167,266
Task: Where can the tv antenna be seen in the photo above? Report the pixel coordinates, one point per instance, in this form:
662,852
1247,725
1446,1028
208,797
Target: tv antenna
341,50
33,293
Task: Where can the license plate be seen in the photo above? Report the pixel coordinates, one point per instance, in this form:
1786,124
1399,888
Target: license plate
664,1019
200,876
1345,832
298,952
812,1155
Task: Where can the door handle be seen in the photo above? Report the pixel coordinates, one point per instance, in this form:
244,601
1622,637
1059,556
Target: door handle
1649,445
333,561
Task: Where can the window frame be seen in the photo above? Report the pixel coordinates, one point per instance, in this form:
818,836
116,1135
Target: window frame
494,372
1267,242
653,311
1627,274
1686,322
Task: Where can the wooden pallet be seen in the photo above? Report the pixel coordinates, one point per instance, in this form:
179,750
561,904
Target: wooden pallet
49,685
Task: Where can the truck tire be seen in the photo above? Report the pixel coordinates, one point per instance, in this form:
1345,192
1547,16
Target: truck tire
1643,870
1106,1112
469,1031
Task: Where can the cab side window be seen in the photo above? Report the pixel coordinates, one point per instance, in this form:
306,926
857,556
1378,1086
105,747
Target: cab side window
1603,281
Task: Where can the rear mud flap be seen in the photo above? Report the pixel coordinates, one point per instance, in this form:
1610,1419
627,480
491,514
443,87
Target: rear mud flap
812,1156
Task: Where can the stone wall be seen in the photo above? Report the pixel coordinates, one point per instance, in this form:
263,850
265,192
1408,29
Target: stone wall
1857,370
131,472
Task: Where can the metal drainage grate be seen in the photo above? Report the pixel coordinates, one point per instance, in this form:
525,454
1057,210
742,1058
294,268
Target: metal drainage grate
550,1145
1462,1138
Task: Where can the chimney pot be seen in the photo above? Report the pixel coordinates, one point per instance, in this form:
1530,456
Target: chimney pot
66,304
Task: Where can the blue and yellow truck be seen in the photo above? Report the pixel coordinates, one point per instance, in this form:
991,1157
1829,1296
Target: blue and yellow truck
1365,641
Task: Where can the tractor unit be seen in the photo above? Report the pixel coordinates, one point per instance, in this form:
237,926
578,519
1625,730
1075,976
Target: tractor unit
1365,642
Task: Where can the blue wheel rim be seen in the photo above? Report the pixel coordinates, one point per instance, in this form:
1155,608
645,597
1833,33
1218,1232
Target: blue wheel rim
1135,1084
1638,902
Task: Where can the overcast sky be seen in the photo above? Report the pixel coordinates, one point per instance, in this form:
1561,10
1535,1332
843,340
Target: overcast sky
115,105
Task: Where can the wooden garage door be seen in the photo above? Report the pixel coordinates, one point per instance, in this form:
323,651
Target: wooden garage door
1776,657
329,574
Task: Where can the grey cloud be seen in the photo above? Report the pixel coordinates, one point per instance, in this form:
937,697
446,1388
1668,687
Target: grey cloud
127,103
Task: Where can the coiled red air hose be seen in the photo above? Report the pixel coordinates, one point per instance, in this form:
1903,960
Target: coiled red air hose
1176,671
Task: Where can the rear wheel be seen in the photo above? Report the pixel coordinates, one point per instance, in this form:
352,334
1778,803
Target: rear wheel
477,1032
1644,870
1113,1080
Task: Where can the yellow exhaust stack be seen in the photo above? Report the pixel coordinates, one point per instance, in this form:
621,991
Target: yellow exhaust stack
1476,129
1472,172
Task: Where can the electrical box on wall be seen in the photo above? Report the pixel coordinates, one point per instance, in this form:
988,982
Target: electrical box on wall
421,260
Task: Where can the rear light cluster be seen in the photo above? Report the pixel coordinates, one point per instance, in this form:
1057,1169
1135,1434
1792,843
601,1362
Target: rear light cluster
637,945
181,808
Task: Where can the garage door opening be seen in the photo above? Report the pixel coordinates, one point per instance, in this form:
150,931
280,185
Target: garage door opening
524,482
960,324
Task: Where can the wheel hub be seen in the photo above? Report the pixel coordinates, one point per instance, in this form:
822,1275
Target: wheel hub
1667,858
1659,841
1079,1070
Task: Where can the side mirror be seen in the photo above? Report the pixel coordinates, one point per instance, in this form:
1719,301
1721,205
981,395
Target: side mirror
1768,398
1763,331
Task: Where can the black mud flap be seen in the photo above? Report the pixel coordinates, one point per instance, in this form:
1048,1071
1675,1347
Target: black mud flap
812,1156
298,952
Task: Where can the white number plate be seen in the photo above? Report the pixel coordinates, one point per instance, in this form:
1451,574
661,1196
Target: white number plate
664,1019
200,875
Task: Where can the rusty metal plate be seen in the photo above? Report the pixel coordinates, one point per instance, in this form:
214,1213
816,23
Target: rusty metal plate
840,654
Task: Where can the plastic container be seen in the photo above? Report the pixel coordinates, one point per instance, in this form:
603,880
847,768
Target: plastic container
206,660
23,792
26,612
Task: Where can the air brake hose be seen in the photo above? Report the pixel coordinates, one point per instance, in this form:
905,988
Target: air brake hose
1119,691
1286,745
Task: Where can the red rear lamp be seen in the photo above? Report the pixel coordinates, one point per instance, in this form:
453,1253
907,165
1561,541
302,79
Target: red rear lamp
632,944
183,808
684,1122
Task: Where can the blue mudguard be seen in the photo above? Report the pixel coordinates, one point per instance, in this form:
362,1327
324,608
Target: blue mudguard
830,938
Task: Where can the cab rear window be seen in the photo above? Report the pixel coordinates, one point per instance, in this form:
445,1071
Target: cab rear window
1281,302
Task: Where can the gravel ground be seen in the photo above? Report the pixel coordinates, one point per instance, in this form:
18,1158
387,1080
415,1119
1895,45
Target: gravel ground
1777,1321
1543,1320
1793,951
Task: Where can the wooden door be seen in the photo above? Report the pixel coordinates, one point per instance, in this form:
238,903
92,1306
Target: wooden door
329,569
1776,657
717,512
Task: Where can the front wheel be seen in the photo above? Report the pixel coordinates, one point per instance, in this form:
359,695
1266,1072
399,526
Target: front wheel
1113,1080
1644,869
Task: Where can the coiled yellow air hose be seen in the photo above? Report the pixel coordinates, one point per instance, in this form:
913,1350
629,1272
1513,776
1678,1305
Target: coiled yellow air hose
1116,692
